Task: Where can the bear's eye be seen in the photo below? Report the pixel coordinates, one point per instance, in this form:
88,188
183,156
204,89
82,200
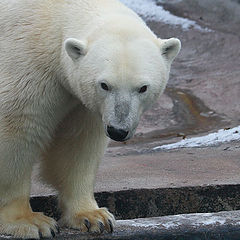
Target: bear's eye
143,89
104,86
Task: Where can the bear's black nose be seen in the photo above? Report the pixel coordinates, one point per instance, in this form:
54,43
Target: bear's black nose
117,134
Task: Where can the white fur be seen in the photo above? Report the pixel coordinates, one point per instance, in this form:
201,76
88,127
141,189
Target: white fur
54,55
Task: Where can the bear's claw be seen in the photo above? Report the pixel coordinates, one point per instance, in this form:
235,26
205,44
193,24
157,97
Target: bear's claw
87,224
101,227
40,235
58,229
110,225
53,233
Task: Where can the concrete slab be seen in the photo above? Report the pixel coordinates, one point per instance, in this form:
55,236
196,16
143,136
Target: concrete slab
140,203
224,225
182,167
175,168
216,226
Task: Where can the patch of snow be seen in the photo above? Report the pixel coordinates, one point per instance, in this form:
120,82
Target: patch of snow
172,1
7,237
151,11
145,224
212,139
202,214
194,220
171,222
212,221
170,225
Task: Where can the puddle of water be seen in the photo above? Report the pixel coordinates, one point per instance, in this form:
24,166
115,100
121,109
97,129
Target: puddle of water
191,117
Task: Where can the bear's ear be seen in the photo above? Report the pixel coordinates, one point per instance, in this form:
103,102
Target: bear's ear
75,48
170,48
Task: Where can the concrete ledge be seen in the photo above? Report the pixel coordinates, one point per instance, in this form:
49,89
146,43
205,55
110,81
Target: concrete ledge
205,226
142,203
201,226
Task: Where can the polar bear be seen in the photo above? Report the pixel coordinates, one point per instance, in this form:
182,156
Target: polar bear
73,73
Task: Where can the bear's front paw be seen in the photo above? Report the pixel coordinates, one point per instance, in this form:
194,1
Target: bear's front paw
18,220
30,226
95,221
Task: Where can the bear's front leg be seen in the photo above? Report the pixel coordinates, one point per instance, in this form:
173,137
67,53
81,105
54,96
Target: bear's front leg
16,216
70,165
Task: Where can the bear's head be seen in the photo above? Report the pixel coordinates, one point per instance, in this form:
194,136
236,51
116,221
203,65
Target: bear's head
119,76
